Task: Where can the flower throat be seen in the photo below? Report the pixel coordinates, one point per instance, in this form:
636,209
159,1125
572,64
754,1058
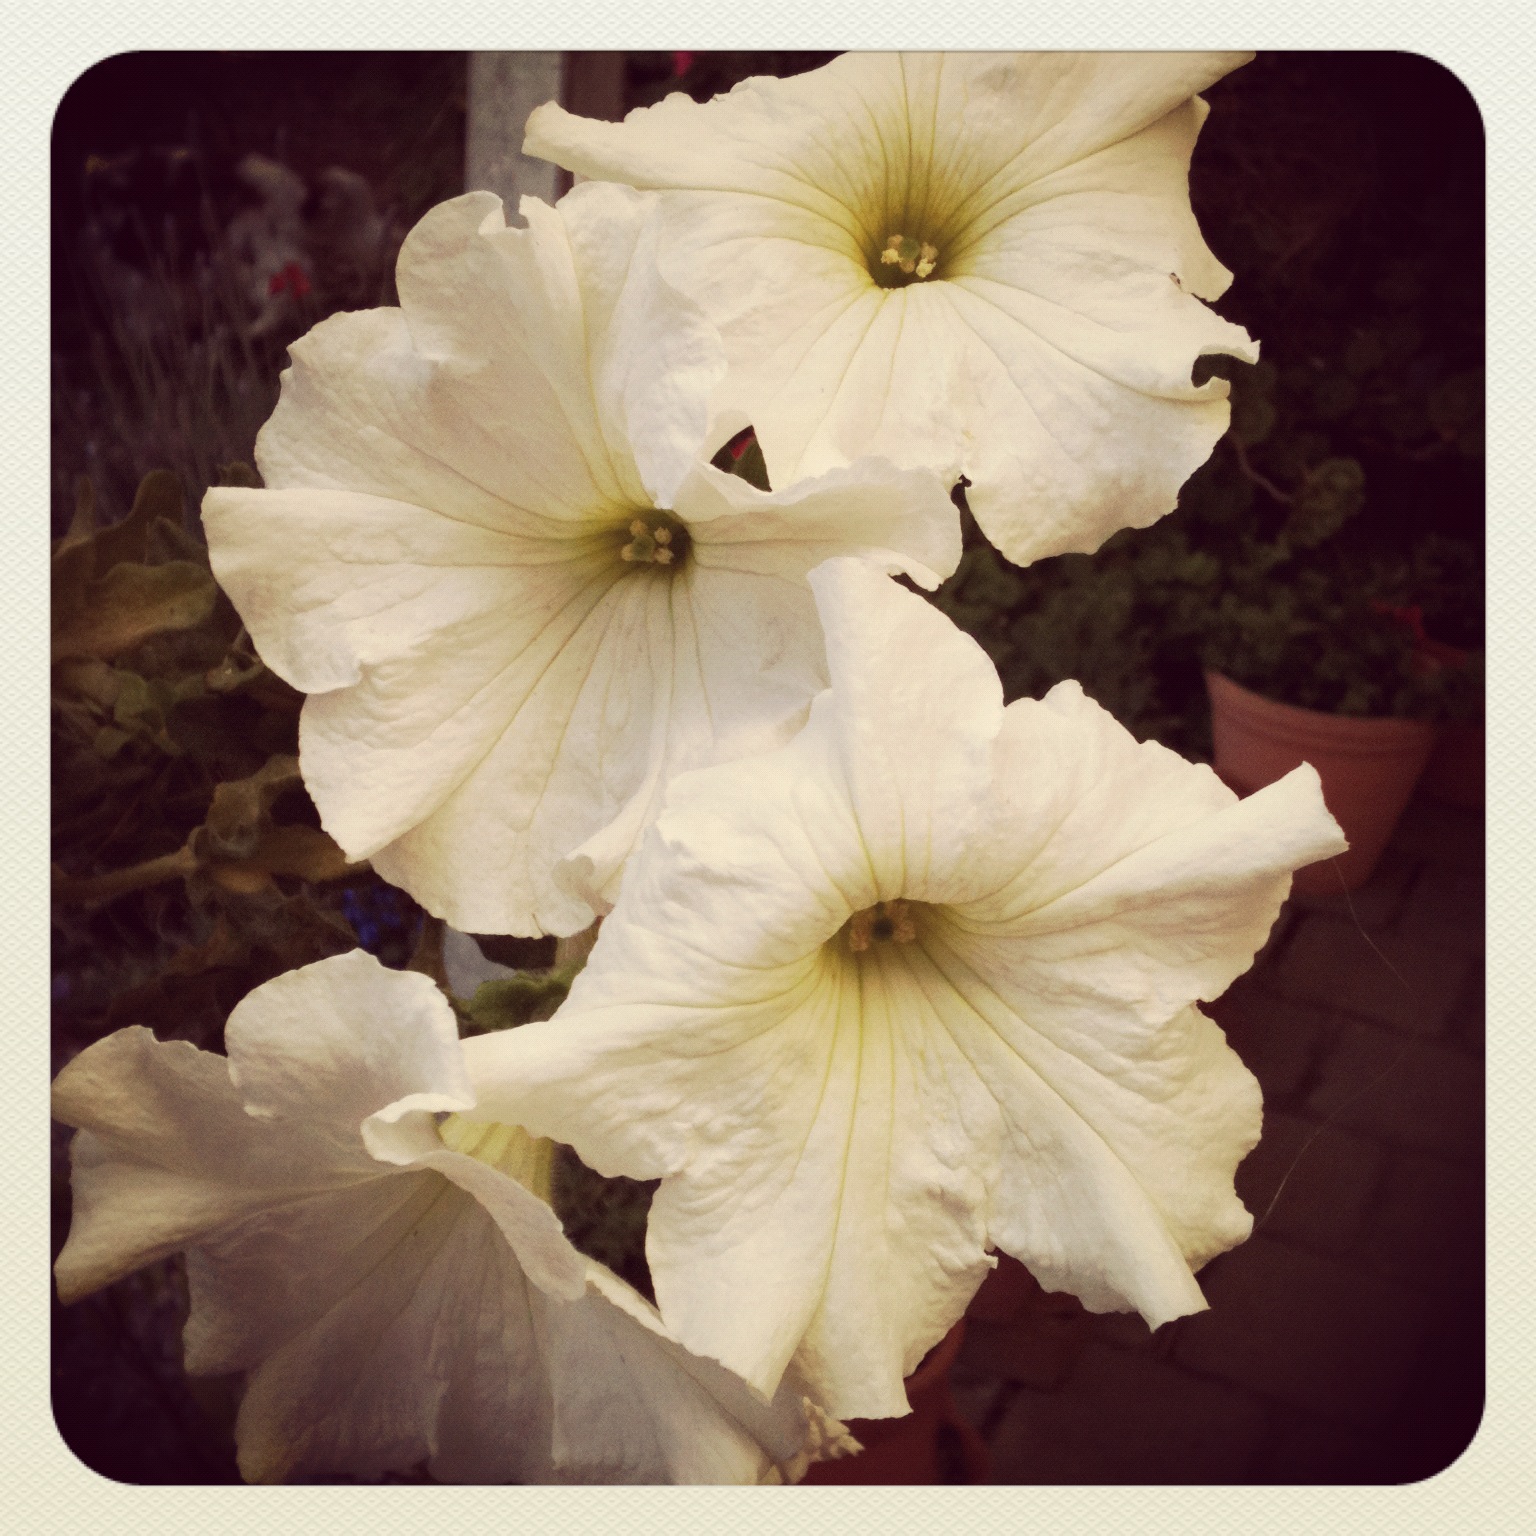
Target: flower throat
657,538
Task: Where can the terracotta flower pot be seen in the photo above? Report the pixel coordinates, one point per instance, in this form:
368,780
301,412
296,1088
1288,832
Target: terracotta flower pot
922,1446
1369,766
1457,768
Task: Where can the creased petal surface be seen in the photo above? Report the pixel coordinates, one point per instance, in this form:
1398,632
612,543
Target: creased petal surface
394,1299
436,561
1064,311
842,1135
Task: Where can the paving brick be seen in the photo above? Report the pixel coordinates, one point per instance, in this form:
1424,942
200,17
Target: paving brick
1445,906
1413,984
1317,1335
1409,1092
1427,1227
1308,1449
1279,1039
1442,834
1126,1418
1311,1184
1469,1017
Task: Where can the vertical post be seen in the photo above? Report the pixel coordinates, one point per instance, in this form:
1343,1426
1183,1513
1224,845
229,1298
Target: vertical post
503,89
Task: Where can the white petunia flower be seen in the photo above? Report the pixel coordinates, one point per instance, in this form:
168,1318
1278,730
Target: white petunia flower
396,1290
985,262
517,600
918,985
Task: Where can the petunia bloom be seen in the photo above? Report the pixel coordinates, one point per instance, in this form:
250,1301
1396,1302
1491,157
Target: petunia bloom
983,262
488,551
397,1291
919,985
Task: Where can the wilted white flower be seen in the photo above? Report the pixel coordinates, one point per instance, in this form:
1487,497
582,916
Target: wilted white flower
985,262
396,1290
918,985
489,553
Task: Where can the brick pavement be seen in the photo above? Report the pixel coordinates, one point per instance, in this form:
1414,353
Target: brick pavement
1344,1341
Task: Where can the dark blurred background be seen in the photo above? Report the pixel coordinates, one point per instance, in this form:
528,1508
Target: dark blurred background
209,208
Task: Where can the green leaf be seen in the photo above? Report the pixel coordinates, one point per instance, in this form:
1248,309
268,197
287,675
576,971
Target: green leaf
131,603
509,1001
238,815
306,853
1335,395
1332,493
1456,403
158,496
1253,418
109,741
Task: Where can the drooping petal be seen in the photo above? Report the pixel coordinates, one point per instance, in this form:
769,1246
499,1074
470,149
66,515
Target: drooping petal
1047,356
636,1407
433,1302
166,1153
393,1290
845,1120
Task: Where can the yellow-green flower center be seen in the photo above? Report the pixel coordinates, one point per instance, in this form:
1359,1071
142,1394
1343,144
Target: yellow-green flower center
908,259
654,538
528,1159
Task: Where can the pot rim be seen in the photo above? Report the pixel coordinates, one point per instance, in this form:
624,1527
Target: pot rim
1363,734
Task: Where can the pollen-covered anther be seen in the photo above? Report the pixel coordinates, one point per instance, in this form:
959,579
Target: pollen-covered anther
887,922
647,545
915,257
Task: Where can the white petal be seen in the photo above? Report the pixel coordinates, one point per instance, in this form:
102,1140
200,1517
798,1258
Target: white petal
841,1137
476,398
332,584
656,358
492,689
1114,1177
1050,355
332,1043
915,709
441,1328
490,1169
175,1144
166,1153
1128,874
633,1406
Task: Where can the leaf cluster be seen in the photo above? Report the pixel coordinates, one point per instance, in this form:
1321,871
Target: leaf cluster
189,864
1341,518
